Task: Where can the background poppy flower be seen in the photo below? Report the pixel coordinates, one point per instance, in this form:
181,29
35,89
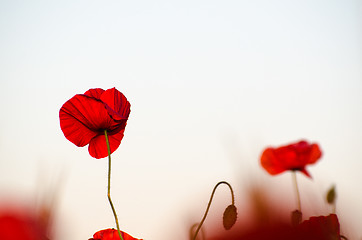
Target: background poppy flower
320,228
111,234
290,157
316,228
21,223
84,117
266,219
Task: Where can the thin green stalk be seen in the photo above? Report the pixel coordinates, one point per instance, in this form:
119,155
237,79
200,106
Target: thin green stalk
109,184
294,176
192,232
209,204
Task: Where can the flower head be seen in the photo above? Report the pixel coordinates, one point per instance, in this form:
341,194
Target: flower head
316,228
84,117
111,234
21,223
290,157
319,228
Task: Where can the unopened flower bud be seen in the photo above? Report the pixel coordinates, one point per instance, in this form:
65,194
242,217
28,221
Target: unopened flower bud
331,195
230,215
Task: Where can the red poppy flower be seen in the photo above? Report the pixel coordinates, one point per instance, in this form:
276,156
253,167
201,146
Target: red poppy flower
290,157
111,234
319,228
19,223
270,220
84,117
316,228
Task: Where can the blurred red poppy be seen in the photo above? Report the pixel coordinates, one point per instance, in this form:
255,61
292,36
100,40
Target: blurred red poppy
290,157
84,117
19,223
319,228
316,228
111,234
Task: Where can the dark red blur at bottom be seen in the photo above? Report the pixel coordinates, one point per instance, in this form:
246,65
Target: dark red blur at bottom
315,228
19,224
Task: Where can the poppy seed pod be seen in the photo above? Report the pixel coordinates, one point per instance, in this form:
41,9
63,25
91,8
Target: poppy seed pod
229,217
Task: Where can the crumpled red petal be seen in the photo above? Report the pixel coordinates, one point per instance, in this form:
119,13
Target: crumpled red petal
118,106
111,234
81,117
95,93
98,147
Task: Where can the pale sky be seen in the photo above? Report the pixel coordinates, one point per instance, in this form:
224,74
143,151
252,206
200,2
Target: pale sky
211,84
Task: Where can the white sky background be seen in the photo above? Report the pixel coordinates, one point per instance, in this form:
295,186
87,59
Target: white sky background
211,83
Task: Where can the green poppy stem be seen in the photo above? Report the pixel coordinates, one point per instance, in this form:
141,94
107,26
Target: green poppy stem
192,232
109,184
209,204
294,176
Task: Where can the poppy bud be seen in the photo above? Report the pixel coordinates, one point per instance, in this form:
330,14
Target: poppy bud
229,217
331,195
296,218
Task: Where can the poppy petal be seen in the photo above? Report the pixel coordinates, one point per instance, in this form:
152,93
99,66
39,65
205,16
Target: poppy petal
118,105
98,146
84,118
321,228
81,117
111,234
293,157
286,157
315,153
305,172
94,92
270,162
